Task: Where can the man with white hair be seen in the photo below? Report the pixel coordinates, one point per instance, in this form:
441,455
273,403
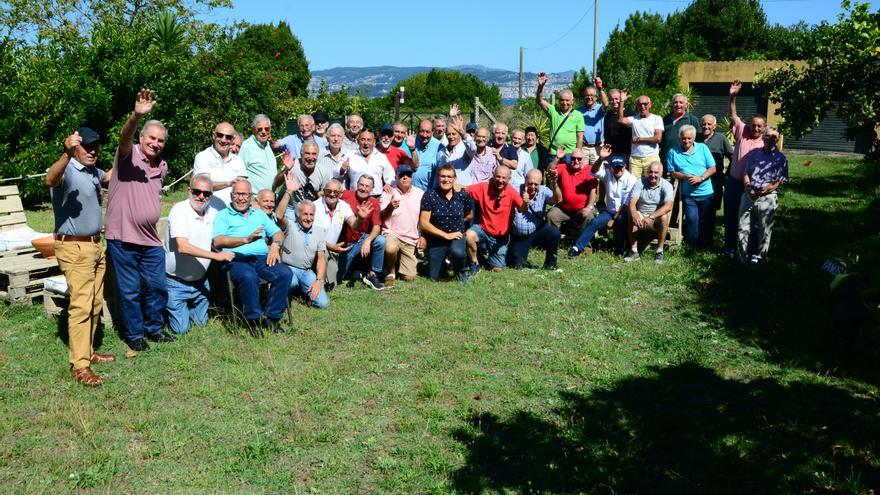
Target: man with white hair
310,176
222,165
334,155
256,153
672,123
304,247
367,160
649,207
504,152
354,125
294,142
566,124
524,159
440,129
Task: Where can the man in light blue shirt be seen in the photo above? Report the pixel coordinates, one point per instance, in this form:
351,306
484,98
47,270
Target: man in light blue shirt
294,142
594,117
530,228
427,147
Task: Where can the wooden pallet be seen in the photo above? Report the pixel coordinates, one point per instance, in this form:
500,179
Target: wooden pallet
56,305
21,277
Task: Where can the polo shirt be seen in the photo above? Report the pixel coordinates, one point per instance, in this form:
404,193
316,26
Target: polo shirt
670,131
311,185
332,221
423,177
185,222
575,187
650,198
301,246
375,165
404,220
133,206
349,145
695,162
508,151
394,155
764,168
495,208
645,127
447,214
76,201
351,236
458,158
720,147
593,123
526,223
260,163
617,191
209,161
743,145
567,135
233,223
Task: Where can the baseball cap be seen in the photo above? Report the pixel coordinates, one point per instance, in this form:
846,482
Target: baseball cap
320,117
386,129
617,161
472,126
88,136
404,169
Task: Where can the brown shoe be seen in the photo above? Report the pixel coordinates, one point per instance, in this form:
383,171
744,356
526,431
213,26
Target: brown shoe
496,269
98,358
389,281
87,377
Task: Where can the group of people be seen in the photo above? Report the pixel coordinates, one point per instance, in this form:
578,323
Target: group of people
348,205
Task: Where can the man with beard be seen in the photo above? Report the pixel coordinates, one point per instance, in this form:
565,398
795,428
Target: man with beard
394,153
187,255
220,164
566,124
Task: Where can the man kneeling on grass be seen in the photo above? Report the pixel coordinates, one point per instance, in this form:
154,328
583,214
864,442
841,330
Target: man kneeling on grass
649,208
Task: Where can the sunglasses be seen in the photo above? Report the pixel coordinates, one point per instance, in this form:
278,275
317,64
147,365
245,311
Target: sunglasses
200,192
577,158
262,129
331,192
221,135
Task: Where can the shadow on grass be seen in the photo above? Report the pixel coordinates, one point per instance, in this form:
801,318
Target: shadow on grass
682,430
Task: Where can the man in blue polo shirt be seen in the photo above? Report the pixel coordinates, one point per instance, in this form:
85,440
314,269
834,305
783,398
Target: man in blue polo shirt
427,147
594,117
243,230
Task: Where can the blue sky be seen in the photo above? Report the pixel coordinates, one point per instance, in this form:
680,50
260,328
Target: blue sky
453,32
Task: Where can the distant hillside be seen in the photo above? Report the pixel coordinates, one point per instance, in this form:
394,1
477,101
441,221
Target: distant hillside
378,81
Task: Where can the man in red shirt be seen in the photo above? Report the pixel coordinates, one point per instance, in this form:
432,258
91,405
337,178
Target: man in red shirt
494,202
571,179
395,154
364,244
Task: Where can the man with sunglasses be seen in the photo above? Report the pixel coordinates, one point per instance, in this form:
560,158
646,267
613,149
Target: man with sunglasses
187,255
331,215
257,154
220,164
570,179
75,184
647,134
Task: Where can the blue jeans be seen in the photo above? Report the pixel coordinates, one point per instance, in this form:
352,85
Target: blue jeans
733,191
437,251
353,256
492,249
187,301
142,307
302,280
545,237
246,272
698,221
600,222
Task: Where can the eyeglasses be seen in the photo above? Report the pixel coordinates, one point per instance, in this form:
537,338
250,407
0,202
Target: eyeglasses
577,158
263,129
219,135
200,192
643,103
331,192
242,194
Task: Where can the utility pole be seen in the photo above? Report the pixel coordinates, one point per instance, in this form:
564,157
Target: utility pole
397,101
520,72
595,34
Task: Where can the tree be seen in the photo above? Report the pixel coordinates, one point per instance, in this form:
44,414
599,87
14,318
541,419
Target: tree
843,74
279,54
436,90
579,82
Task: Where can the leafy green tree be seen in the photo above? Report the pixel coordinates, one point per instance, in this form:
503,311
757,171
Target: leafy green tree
434,91
579,82
279,53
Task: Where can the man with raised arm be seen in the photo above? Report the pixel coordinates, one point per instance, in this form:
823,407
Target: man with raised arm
647,133
594,116
566,124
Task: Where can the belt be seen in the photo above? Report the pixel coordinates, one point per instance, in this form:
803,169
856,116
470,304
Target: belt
589,145
77,238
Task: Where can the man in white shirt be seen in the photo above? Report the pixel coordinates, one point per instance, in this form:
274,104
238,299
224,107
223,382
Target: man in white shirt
330,216
647,134
367,160
220,164
524,159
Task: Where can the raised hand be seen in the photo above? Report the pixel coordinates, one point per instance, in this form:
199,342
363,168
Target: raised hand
410,140
453,110
71,142
624,95
735,87
542,79
604,152
288,160
290,181
551,175
457,123
144,101
365,209
598,81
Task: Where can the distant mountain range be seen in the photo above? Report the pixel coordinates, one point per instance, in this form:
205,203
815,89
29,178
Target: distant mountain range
378,81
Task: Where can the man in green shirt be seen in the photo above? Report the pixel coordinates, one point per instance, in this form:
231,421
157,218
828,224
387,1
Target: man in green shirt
566,125
256,153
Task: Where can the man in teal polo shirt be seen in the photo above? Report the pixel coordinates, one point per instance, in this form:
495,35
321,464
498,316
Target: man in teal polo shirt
244,230
256,153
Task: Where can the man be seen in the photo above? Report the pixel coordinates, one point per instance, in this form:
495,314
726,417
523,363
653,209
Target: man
530,228
304,247
294,142
132,240
572,181
322,123
455,151
537,152
394,154
647,133
440,129
616,134
745,138
765,171
369,161
265,201
400,226
220,164
619,184
354,125
505,154
471,129
567,124
75,184
237,139
482,161
243,230
523,159
673,121
310,177
649,206
332,216
400,137
334,156
365,245
594,117
426,147
187,255
494,202
256,152
720,148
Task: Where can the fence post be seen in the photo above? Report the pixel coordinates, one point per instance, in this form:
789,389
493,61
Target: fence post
477,110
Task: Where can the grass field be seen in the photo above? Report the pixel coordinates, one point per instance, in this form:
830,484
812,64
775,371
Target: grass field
698,376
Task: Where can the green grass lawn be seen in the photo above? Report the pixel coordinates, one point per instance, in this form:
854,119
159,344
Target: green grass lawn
698,376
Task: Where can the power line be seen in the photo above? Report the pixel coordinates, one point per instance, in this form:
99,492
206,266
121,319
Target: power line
564,35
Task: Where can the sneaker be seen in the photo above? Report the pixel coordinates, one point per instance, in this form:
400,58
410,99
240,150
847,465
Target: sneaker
658,258
755,260
389,281
162,337
553,268
634,256
139,345
475,269
573,253
464,276
372,281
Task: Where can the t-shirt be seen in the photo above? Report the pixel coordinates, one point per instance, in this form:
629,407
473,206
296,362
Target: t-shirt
495,208
671,138
133,203
650,198
351,236
233,223
645,127
198,230
76,201
618,135
720,148
209,161
447,214
311,185
567,135
576,188
744,145
696,162
375,165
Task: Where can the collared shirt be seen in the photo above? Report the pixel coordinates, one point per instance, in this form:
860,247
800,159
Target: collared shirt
233,223
526,223
294,143
332,221
260,163
720,148
424,175
375,165
209,161
76,201
575,187
523,166
326,159
743,145
133,206
593,123
695,161
671,138
764,168
349,144
302,246
198,230
645,127
447,214
567,135
394,155
481,167
351,236
617,191
457,157
404,220
650,198
495,208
